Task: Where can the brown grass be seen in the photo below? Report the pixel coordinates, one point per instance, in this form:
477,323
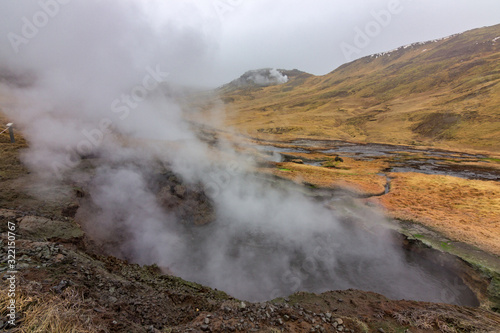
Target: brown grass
355,176
463,210
10,164
414,97
46,312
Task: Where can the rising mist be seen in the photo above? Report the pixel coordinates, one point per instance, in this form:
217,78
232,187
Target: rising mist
88,92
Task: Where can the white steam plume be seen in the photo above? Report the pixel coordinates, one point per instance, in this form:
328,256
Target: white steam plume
90,82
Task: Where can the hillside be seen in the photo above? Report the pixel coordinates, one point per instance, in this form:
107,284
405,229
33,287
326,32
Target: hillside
64,282
441,93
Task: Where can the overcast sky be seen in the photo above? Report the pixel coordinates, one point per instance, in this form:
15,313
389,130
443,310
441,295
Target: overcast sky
309,35
233,36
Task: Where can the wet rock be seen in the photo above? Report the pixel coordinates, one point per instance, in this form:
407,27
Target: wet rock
61,286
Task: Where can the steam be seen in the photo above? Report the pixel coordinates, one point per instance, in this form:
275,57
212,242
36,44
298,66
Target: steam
273,76
96,89
261,77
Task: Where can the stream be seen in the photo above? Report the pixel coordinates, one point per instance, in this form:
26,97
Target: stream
401,158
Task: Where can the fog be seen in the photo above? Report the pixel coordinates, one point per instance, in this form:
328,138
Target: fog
89,93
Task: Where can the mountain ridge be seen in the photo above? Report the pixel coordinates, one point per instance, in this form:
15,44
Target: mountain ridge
441,93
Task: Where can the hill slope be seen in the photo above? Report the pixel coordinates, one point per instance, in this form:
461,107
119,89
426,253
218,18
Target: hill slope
441,93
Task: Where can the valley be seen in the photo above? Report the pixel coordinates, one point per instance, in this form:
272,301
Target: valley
364,200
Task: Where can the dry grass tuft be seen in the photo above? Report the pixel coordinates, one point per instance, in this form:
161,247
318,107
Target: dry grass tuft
45,312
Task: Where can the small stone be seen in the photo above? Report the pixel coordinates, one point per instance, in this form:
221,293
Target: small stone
328,315
61,286
205,328
340,328
381,330
242,305
339,321
206,321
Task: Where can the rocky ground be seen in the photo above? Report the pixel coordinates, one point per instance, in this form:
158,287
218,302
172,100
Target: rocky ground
110,295
65,282
62,278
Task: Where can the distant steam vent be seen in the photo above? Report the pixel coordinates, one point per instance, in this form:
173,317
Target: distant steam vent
261,77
